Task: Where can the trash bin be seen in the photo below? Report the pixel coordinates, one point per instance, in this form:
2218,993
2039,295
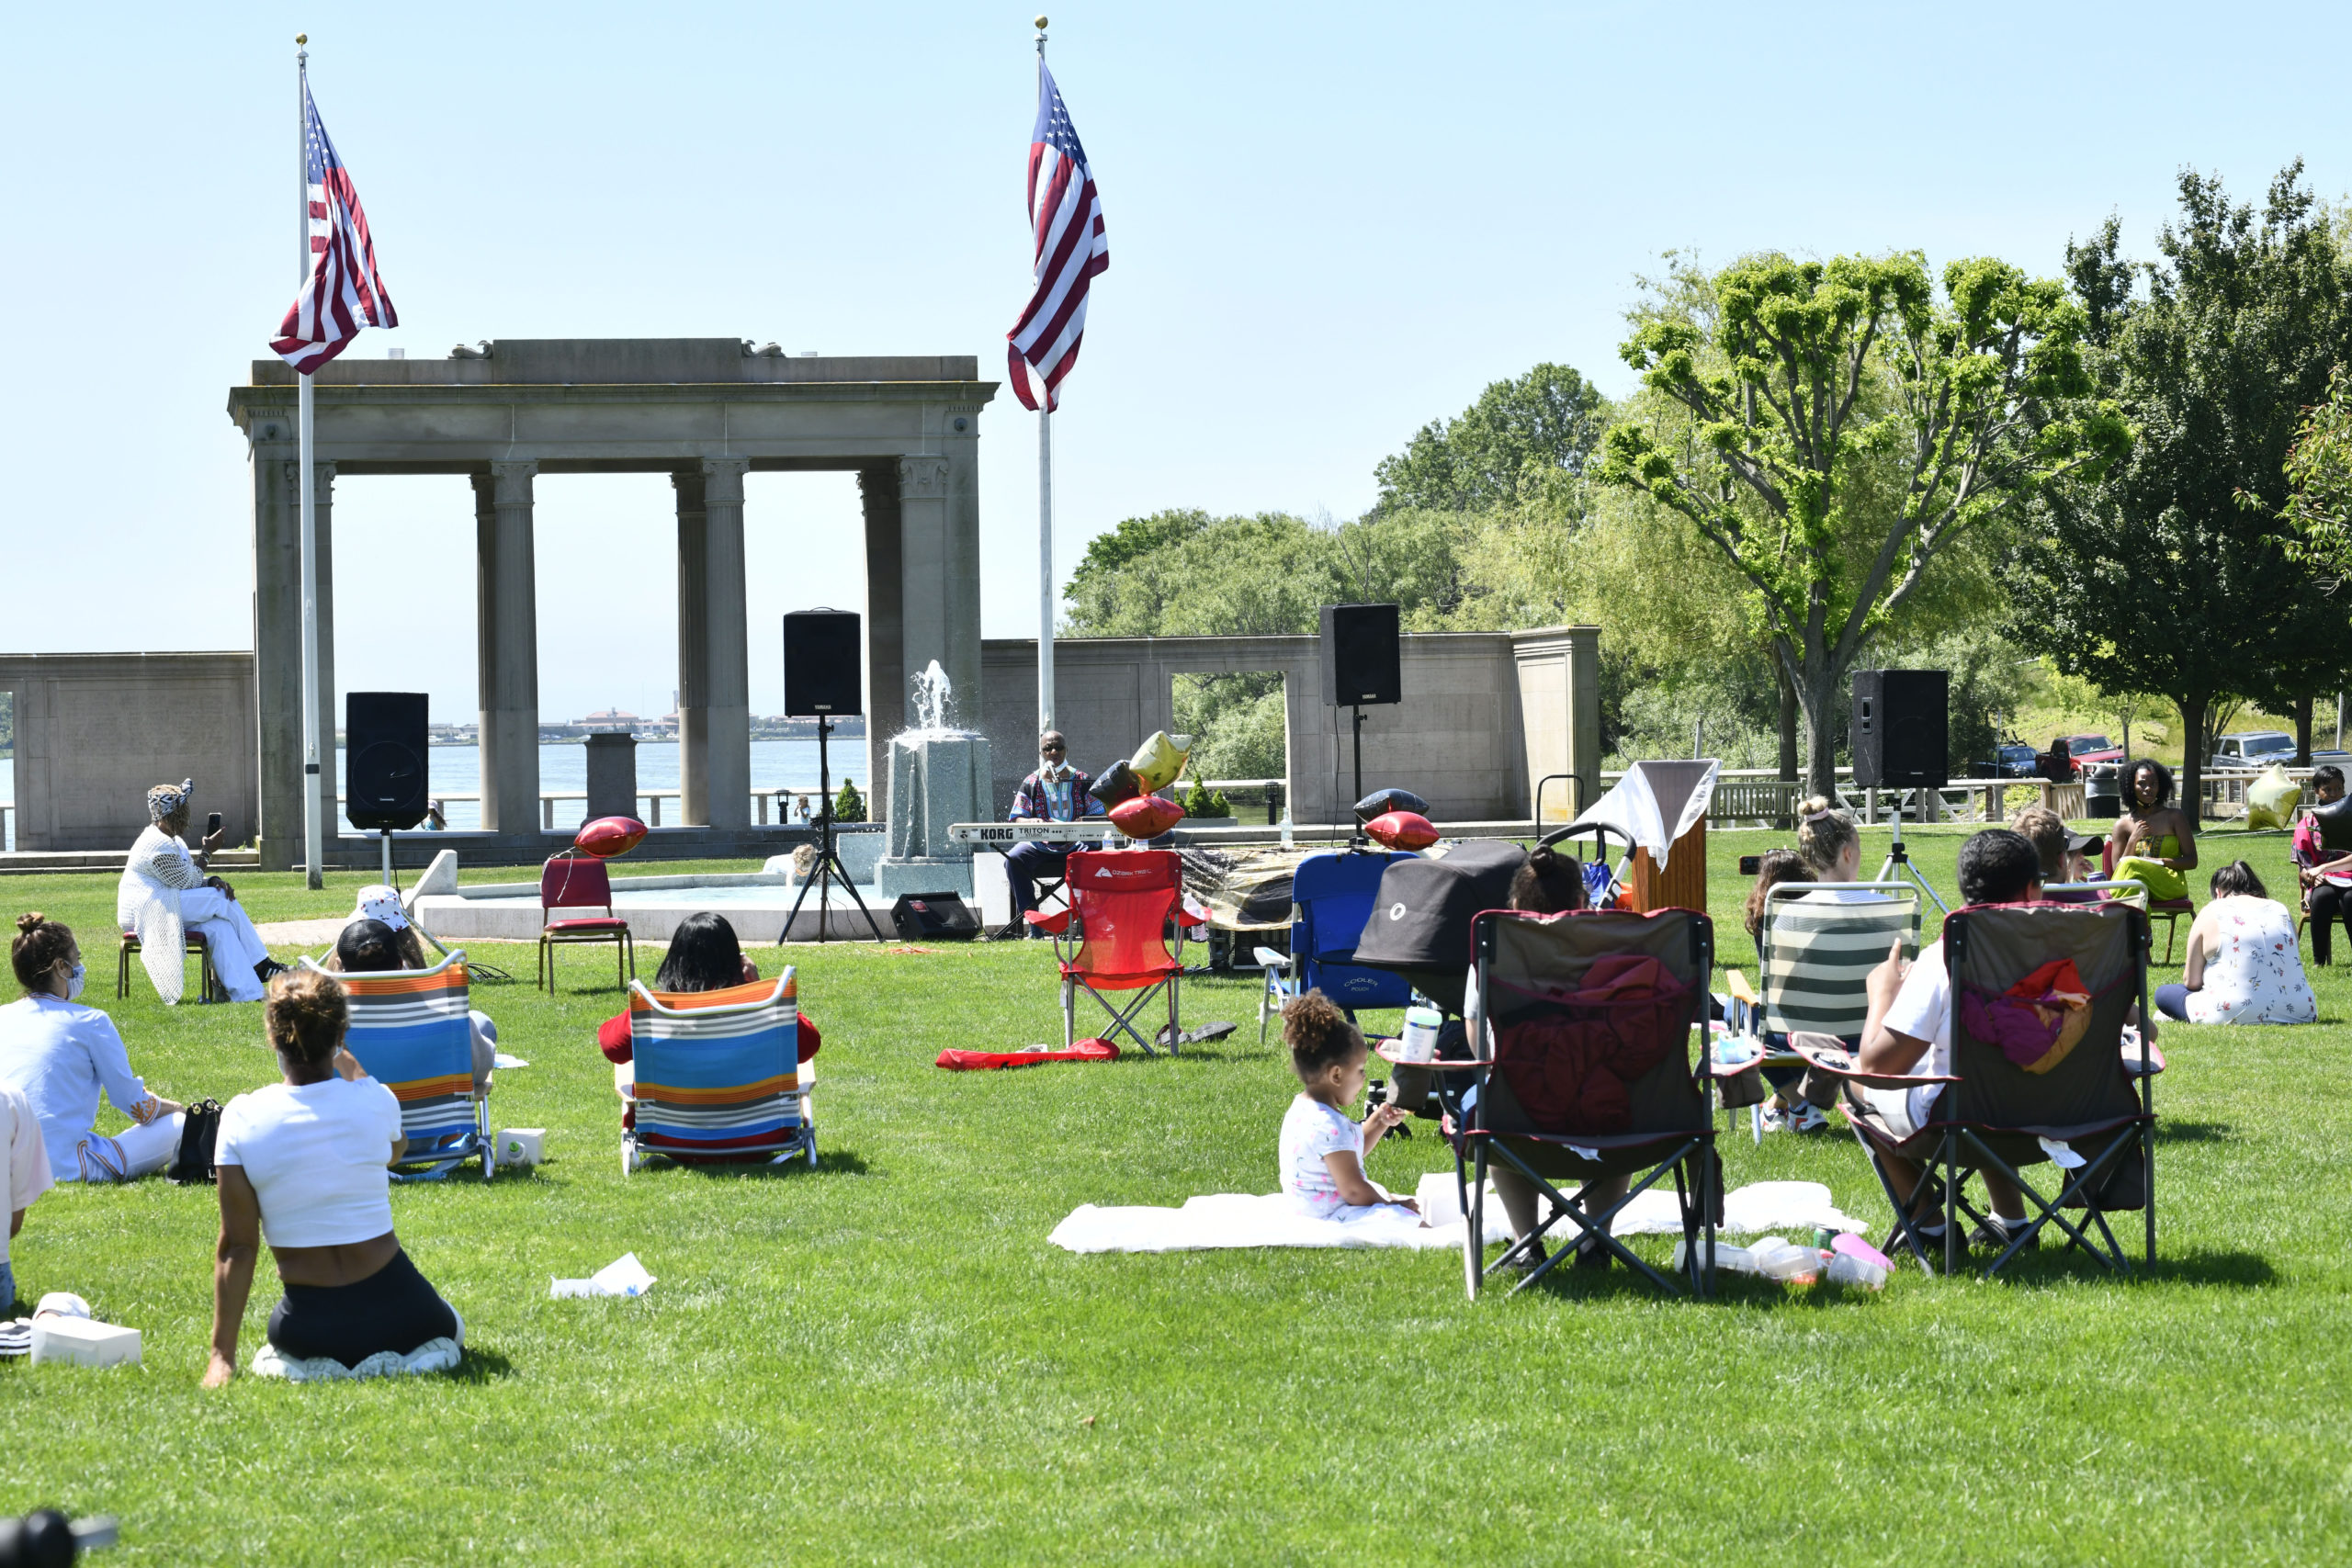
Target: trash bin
2103,791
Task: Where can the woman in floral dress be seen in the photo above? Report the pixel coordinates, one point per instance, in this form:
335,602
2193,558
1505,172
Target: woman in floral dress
2243,963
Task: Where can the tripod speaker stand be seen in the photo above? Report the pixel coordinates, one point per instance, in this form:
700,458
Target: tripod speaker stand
828,861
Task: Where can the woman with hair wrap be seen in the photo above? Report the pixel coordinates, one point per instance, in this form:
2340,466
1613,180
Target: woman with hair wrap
165,892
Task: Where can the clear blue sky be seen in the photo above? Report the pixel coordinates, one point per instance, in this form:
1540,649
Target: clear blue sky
1328,224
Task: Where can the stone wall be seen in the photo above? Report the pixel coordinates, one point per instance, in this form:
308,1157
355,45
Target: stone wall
1486,715
94,730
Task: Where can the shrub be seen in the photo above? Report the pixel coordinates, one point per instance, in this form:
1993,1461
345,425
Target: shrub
848,806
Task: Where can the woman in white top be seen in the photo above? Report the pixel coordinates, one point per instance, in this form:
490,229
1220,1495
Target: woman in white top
2243,964
165,892
63,1053
306,1164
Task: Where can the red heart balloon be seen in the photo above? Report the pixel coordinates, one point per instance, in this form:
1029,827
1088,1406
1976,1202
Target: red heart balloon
1146,817
609,836
1402,830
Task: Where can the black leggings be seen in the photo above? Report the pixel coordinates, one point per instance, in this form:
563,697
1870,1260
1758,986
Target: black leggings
2329,903
393,1309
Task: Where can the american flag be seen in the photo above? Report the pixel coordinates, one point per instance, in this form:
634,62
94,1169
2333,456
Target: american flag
1067,217
343,293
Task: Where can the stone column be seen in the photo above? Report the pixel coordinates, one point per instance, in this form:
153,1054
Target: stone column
278,647
507,594
885,669
727,793
1584,712
939,580
693,652
330,705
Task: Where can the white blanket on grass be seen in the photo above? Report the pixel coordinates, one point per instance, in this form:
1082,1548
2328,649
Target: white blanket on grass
1240,1219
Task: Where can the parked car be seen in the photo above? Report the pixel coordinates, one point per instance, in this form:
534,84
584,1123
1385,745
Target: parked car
2014,760
2085,749
2252,749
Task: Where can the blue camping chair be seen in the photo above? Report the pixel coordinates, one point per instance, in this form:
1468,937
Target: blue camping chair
1330,900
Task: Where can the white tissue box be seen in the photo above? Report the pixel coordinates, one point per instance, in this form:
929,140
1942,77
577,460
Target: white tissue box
520,1145
78,1342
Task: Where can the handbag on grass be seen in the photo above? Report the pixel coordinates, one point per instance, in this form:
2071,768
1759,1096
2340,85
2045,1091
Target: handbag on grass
198,1131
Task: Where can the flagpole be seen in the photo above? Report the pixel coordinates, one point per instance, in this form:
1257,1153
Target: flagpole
316,793
1045,515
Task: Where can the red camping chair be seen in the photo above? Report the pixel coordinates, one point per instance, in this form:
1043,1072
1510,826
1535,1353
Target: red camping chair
1113,934
2168,911
573,882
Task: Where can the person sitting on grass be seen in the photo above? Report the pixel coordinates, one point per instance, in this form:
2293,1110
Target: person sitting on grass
2060,852
306,1164
2155,842
371,944
703,956
2243,964
61,1053
1321,1150
24,1175
1910,1027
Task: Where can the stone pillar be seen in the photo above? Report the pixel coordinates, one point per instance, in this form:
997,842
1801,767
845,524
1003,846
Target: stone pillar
693,652
612,776
885,669
939,579
1584,713
330,705
277,647
727,793
507,595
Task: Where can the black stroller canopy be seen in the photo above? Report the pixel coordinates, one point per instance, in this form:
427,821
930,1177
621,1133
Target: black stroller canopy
1421,918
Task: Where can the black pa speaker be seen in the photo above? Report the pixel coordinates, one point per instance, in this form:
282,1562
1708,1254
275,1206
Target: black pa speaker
823,672
385,777
936,917
1359,655
1902,731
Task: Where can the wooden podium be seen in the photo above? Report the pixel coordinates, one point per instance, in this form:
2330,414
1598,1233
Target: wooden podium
1683,884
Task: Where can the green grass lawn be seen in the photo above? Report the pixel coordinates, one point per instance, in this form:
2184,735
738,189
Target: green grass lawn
883,1359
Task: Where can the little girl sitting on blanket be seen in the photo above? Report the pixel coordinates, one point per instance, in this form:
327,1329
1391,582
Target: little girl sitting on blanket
1322,1150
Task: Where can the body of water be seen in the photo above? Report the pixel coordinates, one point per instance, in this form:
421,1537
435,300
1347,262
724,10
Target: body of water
453,770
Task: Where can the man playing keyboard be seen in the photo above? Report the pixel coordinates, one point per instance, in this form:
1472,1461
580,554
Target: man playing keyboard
1055,793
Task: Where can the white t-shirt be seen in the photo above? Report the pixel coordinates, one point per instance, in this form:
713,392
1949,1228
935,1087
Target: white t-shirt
316,1157
1311,1130
1922,1009
24,1162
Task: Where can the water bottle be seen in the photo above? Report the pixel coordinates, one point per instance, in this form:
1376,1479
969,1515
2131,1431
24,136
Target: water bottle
1846,1270
1285,824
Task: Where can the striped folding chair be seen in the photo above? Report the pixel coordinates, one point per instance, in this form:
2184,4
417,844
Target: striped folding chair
718,1076
411,1030
1819,943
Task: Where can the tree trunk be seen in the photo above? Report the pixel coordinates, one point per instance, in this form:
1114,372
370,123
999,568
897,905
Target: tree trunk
2303,730
1819,699
1788,724
2193,746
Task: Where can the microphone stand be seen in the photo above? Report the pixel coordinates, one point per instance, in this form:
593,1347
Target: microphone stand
828,861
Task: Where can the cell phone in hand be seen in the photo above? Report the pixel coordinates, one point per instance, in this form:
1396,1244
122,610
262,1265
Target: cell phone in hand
211,824
1751,865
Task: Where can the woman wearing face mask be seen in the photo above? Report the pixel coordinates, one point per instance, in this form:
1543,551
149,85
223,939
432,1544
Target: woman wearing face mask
60,1054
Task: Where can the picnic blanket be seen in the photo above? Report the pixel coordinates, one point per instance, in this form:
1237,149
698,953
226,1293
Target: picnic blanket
1240,1219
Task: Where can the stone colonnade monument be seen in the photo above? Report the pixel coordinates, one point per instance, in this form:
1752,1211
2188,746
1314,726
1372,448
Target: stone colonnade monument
703,410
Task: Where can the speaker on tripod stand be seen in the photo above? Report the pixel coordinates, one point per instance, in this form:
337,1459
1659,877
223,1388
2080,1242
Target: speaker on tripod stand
386,782
1901,739
824,680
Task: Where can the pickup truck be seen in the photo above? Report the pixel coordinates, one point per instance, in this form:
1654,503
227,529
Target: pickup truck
2084,751
2253,749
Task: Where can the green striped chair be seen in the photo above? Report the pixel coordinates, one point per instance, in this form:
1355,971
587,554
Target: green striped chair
1819,943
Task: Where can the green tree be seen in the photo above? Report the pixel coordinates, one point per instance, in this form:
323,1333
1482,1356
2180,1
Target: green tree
848,805
2169,573
1833,428
1518,436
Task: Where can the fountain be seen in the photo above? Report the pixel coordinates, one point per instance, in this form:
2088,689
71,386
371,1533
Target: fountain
938,775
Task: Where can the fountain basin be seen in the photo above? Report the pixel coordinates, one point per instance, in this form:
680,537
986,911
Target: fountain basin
756,905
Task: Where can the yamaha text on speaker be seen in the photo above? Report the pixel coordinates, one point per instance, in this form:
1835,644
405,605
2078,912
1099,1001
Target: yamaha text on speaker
1902,733
936,917
1360,659
385,782
824,675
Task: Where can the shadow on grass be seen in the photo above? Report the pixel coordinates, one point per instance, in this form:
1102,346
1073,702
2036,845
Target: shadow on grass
476,1365
2191,1132
832,1162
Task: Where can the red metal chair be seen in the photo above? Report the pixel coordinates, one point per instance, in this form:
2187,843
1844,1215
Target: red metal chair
578,882
2168,911
1124,904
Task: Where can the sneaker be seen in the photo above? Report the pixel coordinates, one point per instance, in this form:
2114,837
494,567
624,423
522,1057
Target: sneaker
269,969
1995,1237
1808,1119
1593,1255
1529,1261
1776,1119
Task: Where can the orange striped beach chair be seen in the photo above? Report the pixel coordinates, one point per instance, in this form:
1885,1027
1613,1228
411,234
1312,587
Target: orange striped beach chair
411,1030
718,1076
